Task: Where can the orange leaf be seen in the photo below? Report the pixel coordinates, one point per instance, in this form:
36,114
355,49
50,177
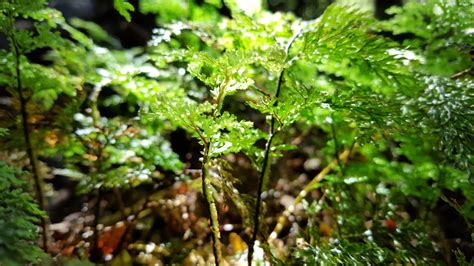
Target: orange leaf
110,238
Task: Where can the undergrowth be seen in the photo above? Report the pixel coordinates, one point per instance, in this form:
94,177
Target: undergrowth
255,137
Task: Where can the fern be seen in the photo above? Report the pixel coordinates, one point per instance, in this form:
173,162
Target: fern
124,8
19,217
21,77
369,134
441,33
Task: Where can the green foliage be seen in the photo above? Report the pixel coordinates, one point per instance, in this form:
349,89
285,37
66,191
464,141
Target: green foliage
310,90
94,31
25,7
355,254
364,87
225,133
128,154
340,43
19,215
43,93
42,84
443,110
461,259
168,10
3,132
124,8
442,33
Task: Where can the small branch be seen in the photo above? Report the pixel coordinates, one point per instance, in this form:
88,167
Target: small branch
211,207
283,218
461,73
29,146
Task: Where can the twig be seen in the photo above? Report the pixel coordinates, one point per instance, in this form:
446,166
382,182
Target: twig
461,73
26,135
283,218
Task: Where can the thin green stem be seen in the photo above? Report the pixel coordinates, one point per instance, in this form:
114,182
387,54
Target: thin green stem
266,160
336,143
263,173
26,135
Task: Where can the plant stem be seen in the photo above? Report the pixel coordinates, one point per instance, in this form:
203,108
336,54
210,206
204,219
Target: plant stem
206,183
211,206
267,159
263,173
29,146
336,143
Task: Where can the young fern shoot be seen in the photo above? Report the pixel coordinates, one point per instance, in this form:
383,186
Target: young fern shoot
267,157
207,186
218,131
